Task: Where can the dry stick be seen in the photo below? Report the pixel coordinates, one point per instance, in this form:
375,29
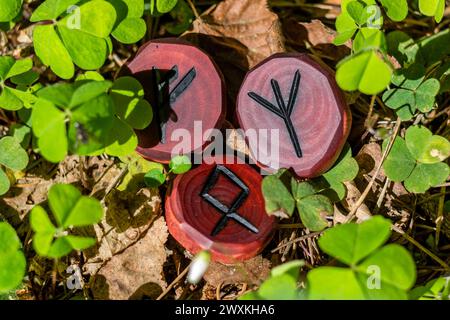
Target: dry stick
421,247
194,10
374,177
440,215
311,235
174,282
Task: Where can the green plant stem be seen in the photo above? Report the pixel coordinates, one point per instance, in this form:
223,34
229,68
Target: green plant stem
440,215
421,247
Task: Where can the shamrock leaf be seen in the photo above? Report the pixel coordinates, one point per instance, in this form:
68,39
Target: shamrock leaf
345,169
129,27
277,197
12,259
314,210
365,72
412,93
355,15
81,37
397,10
162,6
75,117
417,160
404,48
369,38
10,9
13,157
17,71
180,164
154,178
432,8
374,273
70,209
130,106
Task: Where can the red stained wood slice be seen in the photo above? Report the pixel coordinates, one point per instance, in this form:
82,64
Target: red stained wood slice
183,85
293,93
194,221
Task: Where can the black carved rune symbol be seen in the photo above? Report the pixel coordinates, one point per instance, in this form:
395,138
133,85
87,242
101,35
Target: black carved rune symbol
283,111
161,92
227,212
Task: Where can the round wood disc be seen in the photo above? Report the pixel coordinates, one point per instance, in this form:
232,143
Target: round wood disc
219,207
300,98
184,86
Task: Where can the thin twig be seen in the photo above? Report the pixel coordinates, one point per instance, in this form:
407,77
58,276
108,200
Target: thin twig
360,201
440,215
194,10
174,282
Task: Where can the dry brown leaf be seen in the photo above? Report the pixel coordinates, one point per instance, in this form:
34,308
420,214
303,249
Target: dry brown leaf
252,271
137,271
238,34
128,216
315,37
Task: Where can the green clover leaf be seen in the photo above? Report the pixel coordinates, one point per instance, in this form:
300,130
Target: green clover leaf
180,164
10,9
13,157
277,197
81,37
416,160
364,71
129,27
70,209
130,106
412,93
20,73
12,259
397,10
432,8
154,178
374,273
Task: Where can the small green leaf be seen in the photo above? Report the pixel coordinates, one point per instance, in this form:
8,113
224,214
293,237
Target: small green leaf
426,147
397,10
50,49
51,9
180,164
8,100
165,6
50,128
12,155
281,287
88,91
130,106
399,163
154,178
396,266
433,8
427,175
291,268
60,248
331,283
350,243
71,208
365,72
12,259
60,94
369,38
314,211
40,222
9,9
80,243
278,199
122,140
4,182
345,169
426,95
